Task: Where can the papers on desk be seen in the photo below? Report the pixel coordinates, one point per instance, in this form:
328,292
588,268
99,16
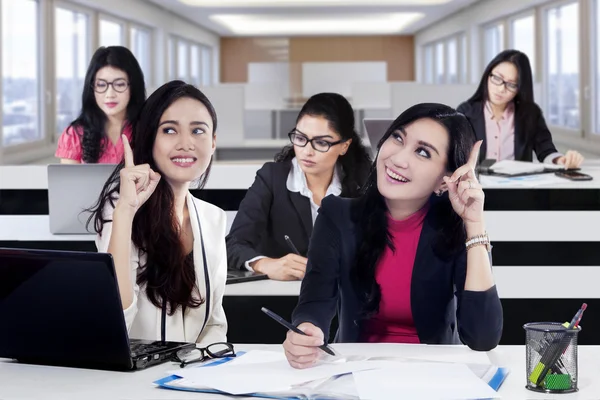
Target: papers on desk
268,374
512,168
521,181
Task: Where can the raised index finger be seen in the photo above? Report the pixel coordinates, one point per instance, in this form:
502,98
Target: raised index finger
127,152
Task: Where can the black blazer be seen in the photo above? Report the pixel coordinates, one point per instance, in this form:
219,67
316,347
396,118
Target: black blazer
327,287
540,142
267,213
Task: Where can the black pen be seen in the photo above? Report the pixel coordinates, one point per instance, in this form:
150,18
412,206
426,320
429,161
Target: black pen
291,327
291,244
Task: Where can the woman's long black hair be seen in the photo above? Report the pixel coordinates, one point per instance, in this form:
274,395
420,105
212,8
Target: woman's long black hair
339,114
524,100
370,215
168,274
92,120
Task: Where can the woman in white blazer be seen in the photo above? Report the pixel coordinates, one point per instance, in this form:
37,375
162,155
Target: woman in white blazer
168,247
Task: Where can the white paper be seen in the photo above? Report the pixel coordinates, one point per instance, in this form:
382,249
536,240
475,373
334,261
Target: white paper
267,377
423,381
258,357
512,167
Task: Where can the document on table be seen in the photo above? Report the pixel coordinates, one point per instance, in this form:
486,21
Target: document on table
512,167
424,381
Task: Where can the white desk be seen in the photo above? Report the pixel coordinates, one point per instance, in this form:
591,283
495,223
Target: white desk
21,381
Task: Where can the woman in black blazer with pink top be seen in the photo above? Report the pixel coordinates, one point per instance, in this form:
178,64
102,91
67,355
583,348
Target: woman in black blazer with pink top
392,262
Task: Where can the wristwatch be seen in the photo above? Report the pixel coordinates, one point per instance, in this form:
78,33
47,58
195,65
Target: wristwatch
479,240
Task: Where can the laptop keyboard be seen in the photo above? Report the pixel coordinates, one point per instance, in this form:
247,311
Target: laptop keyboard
143,347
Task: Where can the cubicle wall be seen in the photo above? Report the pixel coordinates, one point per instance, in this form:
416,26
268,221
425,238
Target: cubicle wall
546,247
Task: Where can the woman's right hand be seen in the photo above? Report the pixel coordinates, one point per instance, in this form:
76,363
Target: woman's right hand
303,351
138,182
287,268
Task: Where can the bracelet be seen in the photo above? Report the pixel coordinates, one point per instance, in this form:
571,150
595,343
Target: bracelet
479,240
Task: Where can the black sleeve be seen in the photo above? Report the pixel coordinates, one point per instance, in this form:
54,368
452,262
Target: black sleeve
543,145
479,314
462,107
251,220
319,290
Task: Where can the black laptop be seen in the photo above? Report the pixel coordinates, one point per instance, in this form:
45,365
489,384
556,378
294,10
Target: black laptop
63,308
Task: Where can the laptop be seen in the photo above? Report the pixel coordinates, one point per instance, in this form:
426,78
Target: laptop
240,276
72,188
376,128
63,308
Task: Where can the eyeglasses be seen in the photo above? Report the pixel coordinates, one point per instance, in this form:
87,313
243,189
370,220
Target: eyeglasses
318,144
496,80
120,85
215,350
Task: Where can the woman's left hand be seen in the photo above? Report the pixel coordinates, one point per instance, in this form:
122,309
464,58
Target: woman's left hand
570,160
464,190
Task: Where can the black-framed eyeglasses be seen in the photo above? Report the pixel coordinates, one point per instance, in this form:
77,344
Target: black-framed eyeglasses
120,85
496,80
318,144
215,350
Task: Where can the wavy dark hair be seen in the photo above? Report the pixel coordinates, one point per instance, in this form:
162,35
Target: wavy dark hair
339,114
524,100
370,213
168,275
92,119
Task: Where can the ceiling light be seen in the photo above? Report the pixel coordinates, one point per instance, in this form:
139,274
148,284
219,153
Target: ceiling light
309,3
364,24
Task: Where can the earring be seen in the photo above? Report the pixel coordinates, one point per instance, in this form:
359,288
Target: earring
439,193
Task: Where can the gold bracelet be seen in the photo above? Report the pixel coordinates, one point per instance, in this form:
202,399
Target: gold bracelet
479,240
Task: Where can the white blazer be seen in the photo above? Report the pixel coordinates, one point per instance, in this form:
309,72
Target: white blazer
143,318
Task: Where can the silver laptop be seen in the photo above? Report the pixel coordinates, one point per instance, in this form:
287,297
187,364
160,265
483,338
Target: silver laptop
72,188
376,128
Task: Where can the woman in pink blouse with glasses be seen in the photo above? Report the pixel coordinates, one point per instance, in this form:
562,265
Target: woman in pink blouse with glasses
113,93
505,116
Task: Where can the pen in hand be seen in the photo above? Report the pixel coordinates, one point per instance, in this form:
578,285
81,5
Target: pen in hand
291,245
291,327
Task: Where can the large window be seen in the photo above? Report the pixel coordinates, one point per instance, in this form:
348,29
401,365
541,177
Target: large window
195,68
140,47
111,33
522,37
452,61
493,43
206,66
597,68
439,63
182,61
72,57
171,58
463,59
20,72
428,64
562,83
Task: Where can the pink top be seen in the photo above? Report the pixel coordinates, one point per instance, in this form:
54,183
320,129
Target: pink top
69,146
500,135
394,322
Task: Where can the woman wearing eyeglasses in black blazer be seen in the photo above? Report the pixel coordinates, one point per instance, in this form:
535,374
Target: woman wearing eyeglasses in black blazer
504,115
326,157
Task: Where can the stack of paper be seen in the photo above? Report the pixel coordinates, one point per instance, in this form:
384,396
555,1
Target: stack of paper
511,167
268,374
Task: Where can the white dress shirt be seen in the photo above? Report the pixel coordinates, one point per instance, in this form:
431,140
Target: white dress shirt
296,182
143,319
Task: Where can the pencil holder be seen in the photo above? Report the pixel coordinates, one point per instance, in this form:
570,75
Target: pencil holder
551,351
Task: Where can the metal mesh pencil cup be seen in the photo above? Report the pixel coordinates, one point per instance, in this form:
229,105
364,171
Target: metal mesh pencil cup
551,351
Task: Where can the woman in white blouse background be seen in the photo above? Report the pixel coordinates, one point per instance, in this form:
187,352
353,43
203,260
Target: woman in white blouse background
168,247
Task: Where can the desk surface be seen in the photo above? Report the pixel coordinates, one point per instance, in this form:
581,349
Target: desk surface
21,381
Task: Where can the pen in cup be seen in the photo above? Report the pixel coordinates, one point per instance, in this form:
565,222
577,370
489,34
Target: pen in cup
291,245
291,327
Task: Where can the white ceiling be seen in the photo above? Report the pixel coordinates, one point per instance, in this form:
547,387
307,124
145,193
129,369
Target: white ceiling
313,17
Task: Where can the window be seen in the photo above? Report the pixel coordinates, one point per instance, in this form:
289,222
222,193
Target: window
463,59
452,68
182,61
523,38
171,58
206,66
72,57
195,71
439,63
140,47
597,68
494,42
562,84
111,33
20,72
428,64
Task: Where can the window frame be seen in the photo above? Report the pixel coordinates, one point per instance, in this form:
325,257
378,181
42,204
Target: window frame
511,36
111,18
151,78
482,47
